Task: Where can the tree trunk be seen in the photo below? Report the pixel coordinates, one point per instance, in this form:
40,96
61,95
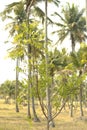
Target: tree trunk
71,108
28,7
48,124
29,81
16,87
72,43
36,119
80,92
49,114
81,108
73,50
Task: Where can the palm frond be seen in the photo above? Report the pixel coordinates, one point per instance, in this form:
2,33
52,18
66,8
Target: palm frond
75,59
59,24
55,13
56,2
62,36
8,10
40,13
79,15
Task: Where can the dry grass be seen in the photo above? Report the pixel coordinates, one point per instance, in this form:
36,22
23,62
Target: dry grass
10,120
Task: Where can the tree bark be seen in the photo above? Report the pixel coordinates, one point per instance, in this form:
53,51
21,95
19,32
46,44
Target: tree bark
71,108
49,114
81,106
36,119
72,43
28,7
16,87
29,81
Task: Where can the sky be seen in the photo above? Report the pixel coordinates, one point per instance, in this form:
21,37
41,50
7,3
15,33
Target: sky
7,66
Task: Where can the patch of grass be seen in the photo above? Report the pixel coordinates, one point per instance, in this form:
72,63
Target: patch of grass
10,120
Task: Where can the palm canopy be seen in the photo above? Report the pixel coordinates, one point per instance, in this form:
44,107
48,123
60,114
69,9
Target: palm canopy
23,4
17,8
73,24
79,58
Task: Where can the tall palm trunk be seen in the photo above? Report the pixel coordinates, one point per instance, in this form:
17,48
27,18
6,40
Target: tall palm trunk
29,60
46,58
29,80
81,94
72,43
81,106
73,50
71,107
28,11
49,114
16,86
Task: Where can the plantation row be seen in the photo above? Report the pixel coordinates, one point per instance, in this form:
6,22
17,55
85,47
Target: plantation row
53,77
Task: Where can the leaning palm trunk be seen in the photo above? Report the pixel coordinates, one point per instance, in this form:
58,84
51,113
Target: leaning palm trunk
16,87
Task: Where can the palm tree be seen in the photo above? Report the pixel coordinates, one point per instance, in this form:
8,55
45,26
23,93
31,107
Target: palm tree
72,24
14,6
20,17
15,22
79,61
29,4
16,87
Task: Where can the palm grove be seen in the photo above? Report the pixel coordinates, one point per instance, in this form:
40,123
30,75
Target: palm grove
55,78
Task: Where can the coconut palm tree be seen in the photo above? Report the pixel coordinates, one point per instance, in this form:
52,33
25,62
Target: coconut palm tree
29,4
15,22
13,7
72,24
80,62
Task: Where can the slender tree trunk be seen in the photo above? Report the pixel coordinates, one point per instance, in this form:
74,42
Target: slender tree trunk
72,43
80,93
49,114
46,58
71,107
36,119
48,124
81,107
73,50
16,87
28,7
29,81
